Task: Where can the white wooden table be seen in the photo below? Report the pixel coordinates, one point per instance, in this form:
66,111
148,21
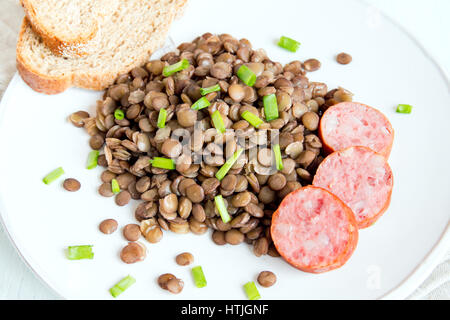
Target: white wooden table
426,20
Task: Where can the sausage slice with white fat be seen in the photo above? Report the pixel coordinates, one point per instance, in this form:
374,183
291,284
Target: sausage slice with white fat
313,230
350,124
361,178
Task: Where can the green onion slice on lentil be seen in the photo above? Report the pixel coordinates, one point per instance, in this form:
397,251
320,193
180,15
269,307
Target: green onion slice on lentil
199,277
404,108
270,107
80,252
205,91
119,114
52,176
121,286
220,205
218,121
163,163
246,75
278,159
252,119
162,118
201,104
179,66
289,44
92,159
227,166
115,188
252,291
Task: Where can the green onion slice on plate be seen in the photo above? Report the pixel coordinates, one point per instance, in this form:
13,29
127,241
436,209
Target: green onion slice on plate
227,166
404,108
80,252
220,205
201,104
252,119
278,159
199,277
121,286
289,44
52,176
162,118
270,107
119,114
115,188
174,68
218,121
205,91
92,159
252,291
163,163
246,75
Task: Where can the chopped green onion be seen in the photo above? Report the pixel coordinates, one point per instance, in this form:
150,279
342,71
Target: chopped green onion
201,104
162,118
278,159
179,66
115,188
52,176
199,277
80,252
404,108
119,114
121,286
252,119
92,159
205,91
252,291
218,121
289,44
246,75
227,166
163,163
220,205
270,107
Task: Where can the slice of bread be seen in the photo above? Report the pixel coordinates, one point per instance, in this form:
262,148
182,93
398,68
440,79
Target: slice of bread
67,26
124,41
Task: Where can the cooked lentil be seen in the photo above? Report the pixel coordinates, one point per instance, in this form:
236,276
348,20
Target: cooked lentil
164,278
108,226
267,279
175,285
132,232
344,58
184,259
123,198
133,252
312,65
71,185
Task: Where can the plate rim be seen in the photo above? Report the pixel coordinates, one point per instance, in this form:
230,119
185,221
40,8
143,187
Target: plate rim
424,269
5,224
402,291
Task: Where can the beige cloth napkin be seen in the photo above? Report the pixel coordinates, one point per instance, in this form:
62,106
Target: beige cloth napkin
11,14
437,286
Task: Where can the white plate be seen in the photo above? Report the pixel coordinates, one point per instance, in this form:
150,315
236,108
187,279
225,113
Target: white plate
392,257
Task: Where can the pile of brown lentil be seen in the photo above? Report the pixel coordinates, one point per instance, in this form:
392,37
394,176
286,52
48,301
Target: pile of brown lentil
182,200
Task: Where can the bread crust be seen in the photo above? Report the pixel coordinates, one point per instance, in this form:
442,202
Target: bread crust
76,47
53,85
37,81
47,84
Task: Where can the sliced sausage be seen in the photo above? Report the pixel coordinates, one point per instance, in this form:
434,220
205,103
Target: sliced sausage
350,124
359,177
314,230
